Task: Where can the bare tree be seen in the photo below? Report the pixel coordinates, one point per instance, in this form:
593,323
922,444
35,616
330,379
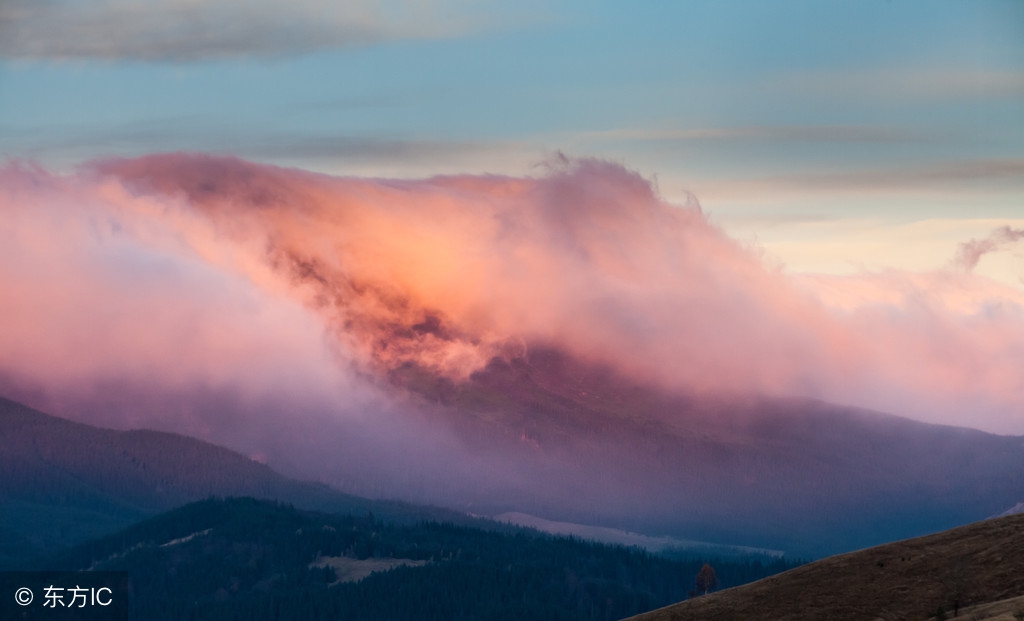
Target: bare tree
956,583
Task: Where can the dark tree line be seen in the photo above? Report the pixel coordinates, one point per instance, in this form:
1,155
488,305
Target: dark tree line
251,560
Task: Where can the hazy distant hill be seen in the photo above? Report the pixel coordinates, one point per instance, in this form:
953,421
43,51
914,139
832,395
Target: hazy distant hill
803,476
913,579
64,482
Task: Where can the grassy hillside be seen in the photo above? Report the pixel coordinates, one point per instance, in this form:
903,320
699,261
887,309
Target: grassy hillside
934,576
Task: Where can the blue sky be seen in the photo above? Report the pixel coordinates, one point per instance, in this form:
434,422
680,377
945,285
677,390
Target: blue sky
838,135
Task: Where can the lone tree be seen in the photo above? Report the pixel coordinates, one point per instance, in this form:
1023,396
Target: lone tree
706,579
957,583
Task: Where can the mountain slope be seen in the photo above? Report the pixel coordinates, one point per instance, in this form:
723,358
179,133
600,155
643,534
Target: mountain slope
65,482
913,579
807,477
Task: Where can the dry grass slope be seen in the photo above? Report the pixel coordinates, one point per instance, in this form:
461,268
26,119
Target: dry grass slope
972,566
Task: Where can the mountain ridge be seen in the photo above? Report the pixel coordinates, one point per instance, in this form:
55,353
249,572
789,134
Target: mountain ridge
65,482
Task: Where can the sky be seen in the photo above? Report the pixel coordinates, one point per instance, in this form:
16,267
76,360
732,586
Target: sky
230,201
840,136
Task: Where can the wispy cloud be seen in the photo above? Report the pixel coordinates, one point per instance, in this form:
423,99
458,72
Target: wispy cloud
397,154
901,83
190,30
344,104
970,252
764,133
1004,174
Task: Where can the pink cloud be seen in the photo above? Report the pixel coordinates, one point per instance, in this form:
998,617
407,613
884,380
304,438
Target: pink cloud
99,288
186,269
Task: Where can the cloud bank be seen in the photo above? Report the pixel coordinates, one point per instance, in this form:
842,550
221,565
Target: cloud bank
184,273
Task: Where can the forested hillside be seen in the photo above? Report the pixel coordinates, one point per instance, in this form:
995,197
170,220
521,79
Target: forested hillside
249,559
